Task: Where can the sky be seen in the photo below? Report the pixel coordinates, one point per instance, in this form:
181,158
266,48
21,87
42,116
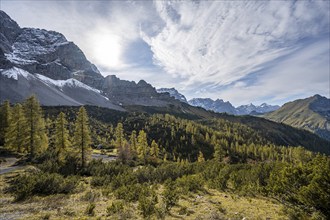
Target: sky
239,51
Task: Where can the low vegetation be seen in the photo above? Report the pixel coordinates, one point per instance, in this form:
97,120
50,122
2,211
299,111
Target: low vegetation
166,167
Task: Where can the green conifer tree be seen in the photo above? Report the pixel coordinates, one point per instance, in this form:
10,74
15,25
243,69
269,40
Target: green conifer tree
200,157
37,140
15,137
62,139
82,139
142,146
133,143
154,149
5,116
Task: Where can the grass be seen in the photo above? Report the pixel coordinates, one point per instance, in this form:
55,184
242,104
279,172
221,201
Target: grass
208,204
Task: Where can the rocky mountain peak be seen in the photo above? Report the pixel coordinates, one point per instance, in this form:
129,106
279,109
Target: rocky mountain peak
9,30
173,93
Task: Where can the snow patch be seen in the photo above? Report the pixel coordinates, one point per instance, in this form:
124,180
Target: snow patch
17,60
14,72
69,82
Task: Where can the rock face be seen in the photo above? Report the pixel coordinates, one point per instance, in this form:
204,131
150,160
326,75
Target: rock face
46,56
217,106
124,92
173,93
50,54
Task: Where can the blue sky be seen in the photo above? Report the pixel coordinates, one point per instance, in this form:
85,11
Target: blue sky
241,51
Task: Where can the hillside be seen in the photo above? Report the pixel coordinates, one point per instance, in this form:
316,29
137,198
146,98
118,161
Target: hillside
264,131
311,114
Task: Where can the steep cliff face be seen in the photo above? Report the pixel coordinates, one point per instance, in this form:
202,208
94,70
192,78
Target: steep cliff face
39,52
130,93
50,54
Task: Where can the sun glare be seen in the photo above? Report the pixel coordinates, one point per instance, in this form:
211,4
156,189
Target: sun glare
107,50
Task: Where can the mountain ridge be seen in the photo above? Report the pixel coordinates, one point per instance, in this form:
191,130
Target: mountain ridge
312,114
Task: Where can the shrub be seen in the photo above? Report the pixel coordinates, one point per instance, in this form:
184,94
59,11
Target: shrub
190,183
170,195
115,207
132,193
90,209
147,205
42,184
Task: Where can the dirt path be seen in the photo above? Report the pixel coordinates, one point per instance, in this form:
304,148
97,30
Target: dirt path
9,165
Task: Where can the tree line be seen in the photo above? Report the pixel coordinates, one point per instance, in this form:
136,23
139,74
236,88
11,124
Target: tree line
24,130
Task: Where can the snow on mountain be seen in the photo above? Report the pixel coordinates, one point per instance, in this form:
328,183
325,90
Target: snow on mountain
17,84
217,106
263,108
14,72
220,106
69,82
173,93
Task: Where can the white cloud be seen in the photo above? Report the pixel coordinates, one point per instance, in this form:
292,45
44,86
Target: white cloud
304,73
228,40
203,48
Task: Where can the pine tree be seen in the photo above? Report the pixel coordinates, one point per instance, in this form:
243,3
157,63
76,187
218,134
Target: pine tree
154,149
5,116
119,137
142,146
82,139
200,157
218,152
133,143
35,128
15,137
62,142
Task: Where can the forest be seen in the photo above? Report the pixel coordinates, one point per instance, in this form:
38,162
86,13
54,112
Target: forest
159,160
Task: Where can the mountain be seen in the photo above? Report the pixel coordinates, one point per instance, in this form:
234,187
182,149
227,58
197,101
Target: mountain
226,107
217,106
41,62
173,93
312,114
255,110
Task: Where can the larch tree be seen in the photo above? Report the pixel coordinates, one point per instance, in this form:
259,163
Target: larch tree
15,137
62,139
154,149
133,143
219,152
82,139
200,157
119,137
5,116
37,140
142,145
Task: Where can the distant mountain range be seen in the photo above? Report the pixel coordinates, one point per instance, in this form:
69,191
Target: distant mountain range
221,106
312,114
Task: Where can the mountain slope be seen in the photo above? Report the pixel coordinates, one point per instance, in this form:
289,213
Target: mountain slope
17,84
312,114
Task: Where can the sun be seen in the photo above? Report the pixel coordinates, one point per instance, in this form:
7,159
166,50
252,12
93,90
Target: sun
107,49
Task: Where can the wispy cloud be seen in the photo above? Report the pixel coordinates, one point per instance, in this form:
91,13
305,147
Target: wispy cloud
223,41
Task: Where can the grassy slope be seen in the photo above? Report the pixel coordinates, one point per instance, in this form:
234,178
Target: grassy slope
300,114
277,133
